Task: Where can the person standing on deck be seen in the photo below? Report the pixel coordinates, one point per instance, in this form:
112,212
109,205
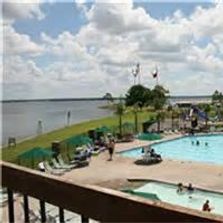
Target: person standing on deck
111,148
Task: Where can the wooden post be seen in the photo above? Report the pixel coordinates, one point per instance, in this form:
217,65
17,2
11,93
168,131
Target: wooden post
10,206
84,219
61,215
42,211
26,208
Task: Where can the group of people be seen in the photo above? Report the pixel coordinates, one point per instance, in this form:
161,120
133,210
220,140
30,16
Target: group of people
151,152
197,143
181,188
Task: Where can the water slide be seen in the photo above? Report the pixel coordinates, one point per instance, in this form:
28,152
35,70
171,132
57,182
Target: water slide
199,112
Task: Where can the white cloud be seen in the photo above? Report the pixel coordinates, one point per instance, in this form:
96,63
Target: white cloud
207,22
119,18
21,9
204,59
19,70
99,58
65,45
18,44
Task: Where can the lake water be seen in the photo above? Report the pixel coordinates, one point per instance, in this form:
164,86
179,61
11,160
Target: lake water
20,119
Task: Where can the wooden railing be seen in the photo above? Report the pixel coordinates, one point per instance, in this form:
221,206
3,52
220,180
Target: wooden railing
104,205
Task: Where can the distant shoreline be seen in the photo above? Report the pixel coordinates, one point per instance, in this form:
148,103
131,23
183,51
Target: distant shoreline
97,99
58,99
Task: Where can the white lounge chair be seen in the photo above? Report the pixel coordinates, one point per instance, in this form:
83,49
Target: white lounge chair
63,164
58,166
49,169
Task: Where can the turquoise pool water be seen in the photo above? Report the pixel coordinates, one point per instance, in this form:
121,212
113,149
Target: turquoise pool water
183,149
195,200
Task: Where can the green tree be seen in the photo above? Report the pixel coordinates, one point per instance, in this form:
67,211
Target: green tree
120,111
135,111
144,96
159,96
137,94
217,96
108,97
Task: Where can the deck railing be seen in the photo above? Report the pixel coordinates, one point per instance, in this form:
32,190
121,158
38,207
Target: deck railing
104,205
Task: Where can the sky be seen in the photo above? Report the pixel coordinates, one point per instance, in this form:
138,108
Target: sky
65,49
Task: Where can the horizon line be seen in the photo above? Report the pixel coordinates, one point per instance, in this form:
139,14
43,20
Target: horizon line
92,98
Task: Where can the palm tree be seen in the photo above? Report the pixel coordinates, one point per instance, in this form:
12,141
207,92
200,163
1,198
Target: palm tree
207,109
120,111
135,110
174,115
160,116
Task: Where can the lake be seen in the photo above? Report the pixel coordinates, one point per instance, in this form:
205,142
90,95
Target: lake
20,119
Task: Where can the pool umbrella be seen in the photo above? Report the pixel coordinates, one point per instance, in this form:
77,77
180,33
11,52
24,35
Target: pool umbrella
103,129
147,195
35,153
79,140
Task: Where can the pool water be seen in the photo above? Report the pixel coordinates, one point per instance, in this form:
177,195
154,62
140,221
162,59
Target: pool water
195,200
185,148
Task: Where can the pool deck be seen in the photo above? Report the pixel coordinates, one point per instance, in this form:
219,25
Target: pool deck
109,173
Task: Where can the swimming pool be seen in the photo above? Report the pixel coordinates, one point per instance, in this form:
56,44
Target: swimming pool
185,148
195,200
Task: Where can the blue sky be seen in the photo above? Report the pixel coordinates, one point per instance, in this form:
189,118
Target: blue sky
62,48
59,17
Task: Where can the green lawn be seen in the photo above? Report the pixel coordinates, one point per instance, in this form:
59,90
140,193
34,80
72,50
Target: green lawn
45,140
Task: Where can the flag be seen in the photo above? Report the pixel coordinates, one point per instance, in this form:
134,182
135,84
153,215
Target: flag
155,73
137,68
136,71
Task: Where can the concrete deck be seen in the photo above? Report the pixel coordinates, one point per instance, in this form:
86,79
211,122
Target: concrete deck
103,172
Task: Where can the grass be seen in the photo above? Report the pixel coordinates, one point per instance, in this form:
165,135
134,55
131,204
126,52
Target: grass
45,140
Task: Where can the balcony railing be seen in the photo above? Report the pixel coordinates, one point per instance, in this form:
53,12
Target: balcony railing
104,205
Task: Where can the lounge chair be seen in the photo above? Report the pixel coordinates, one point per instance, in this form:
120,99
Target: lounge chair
49,169
63,164
176,131
79,160
58,166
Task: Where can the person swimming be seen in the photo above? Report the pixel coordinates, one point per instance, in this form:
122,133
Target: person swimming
190,188
180,188
206,206
206,143
197,143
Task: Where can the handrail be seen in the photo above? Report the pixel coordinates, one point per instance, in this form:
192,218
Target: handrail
95,202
